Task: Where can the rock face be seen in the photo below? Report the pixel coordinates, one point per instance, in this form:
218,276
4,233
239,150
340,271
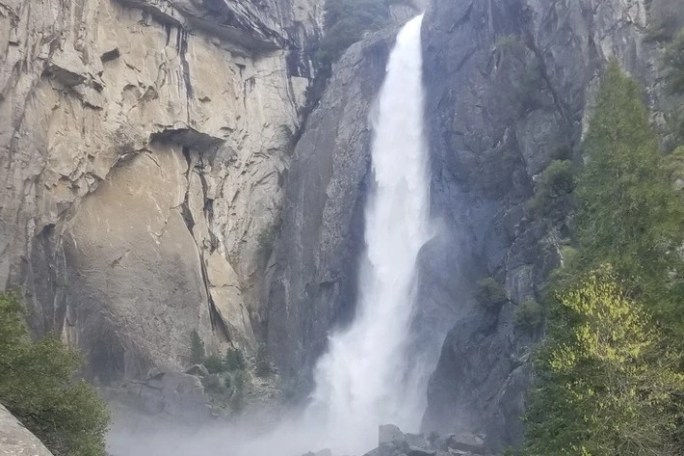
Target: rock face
510,88
313,269
175,396
144,145
16,440
152,186
393,442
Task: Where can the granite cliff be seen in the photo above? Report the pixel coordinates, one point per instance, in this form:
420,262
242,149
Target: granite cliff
144,148
511,85
510,89
164,173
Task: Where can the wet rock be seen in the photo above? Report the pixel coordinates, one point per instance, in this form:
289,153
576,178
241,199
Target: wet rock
325,452
313,269
393,442
389,433
414,451
466,442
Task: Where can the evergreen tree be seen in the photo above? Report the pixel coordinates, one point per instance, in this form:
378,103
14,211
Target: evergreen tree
674,64
234,360
609,375
629,215
604,386
197,353
37,385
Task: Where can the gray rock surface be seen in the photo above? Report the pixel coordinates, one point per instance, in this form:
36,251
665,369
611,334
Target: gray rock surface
393,442
165,397
16,440
151,186
143,146
313,268
510,88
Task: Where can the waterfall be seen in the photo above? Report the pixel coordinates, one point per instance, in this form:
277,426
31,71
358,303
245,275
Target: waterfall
365,378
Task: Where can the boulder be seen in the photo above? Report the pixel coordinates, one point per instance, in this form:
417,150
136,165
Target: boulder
16,440
389,433
466,442
413,451
325,452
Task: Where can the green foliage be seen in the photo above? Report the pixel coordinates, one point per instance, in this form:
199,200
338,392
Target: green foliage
553,193
519,75
37,385
215,364
490,294
628,214
263,365
225,382
529,316
216,386
568,254
196,348
674,64
674,164
605,388
609,375
226,389
234,360
346,22
665,19
238,397
673,60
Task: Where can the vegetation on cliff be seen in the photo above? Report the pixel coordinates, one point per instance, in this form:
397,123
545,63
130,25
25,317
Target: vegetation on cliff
38,385
223,378
346,22
610,377
674,63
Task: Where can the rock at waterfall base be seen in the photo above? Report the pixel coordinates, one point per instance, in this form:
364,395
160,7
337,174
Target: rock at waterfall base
393,442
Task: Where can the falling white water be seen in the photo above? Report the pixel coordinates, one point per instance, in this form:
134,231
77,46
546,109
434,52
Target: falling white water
364,380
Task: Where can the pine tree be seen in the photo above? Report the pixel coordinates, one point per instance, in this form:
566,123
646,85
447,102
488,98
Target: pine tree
197,353
604,386
38,385
629,215
609,375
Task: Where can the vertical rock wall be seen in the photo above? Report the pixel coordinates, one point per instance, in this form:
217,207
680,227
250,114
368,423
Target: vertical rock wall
143,149
510,88
314,267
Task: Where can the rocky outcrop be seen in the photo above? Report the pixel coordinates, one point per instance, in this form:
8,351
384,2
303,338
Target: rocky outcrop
144,145
176,397
510,88
313,269
16,440
393,442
